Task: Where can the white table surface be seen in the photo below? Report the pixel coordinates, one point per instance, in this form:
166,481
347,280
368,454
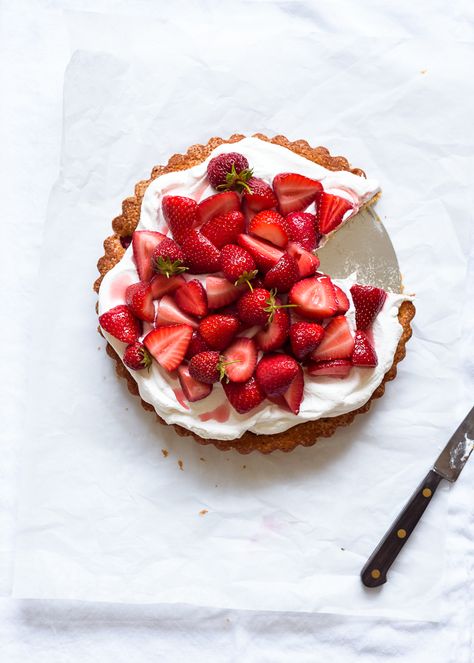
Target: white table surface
35,48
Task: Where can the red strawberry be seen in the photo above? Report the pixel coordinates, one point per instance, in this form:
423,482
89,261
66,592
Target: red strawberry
224,229
302,228
139,298
218,330
337,342
237,264
260,196
121,323
220,292
283,275
192,389
218,204
144,243
136,356
343,304
294,394
168,344
264,254
229,171
258,307
207,367
275,373
244,396
160,284
181,214
295,192
305,337
337,368
169,313
241,359
307,262
275,334
192,298
364,353
315,297
330,211
269,225
201,256
168,258
368,302
196,345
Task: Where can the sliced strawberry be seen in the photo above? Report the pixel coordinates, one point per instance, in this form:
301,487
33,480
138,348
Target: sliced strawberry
220,292
283,275
169,313
269,225
144,243
168,344
264,254
307,262
368,302
275,334
224,229
196,345
241,359
337,368
181,214
200,255
294,394
192,298
343,304
192,389
220,203
244,396
260,196
275,373
315,297
139,298
121,323
337,342
330,211
302,228
161,285
305,337
218,330
295,192
364,353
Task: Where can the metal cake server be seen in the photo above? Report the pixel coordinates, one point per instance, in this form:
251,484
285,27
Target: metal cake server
448,466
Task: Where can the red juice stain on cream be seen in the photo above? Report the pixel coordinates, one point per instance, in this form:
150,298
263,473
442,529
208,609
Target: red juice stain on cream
119,286
220,414
179,393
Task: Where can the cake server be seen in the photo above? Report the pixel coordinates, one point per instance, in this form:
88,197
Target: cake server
448,466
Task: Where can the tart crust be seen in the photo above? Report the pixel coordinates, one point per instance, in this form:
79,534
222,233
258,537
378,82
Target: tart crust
305,434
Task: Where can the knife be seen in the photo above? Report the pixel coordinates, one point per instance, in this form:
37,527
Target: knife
448,466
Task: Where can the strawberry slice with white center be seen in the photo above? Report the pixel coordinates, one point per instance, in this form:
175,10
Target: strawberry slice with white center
275,334
220,292
337,342
191,298
161,284
295,192
220,203
169,313
363,354
265,255
307,262
315,297
343,304
293,396
241,359
168,344
368,301
193,389
337,368
331,211
139,298
144,243
269,225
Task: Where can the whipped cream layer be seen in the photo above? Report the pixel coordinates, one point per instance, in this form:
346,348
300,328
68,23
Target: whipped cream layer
213,417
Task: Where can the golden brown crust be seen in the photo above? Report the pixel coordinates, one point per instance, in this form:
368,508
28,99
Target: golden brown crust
305,434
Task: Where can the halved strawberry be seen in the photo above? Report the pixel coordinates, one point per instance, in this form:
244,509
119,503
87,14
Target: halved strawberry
161,284
244,396
220,292
275,334
192,389
343,304
330,211
364,353
275,373
218,330
169,313
139,298
224,229
121,323
201,256
368,302
196,345
241,359
144,242
168,344
307,262
264,254
283,275
181,214
337,368
315,297
295,192
305,337
302,228
337,342
294,394
191,298
269,225
219,203
260,196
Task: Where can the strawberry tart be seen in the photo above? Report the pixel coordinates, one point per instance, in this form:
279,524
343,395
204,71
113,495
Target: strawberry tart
214,307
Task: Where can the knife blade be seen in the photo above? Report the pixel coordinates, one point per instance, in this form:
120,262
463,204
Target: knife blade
448,465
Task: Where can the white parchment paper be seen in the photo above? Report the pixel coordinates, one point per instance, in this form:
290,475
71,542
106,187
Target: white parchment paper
104,514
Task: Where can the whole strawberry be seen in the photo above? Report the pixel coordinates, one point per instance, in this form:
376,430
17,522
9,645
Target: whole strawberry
200,255
121,323
168,258
305,337
258,307
229,171
207,367
283,275
259,195
218,330
224,229
244,396
237,264
136,356
275,373
181,214
303,228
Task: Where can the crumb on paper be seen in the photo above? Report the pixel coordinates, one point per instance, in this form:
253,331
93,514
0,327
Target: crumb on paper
203,512
180,465
203,460
165,452
244,467
423,71
343,549
98,347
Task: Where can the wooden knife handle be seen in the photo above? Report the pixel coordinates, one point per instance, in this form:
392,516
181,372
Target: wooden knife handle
375,571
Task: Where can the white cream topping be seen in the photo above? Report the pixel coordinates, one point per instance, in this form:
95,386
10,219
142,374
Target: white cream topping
323,396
